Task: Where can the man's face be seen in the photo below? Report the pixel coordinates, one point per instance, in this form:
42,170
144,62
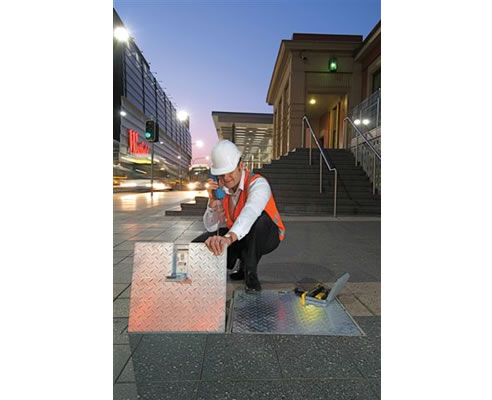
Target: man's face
231,180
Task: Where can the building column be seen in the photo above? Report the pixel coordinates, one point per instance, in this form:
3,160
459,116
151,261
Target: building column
297,104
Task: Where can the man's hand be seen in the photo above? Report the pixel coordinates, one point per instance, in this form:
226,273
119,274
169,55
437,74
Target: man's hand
217,244
212,185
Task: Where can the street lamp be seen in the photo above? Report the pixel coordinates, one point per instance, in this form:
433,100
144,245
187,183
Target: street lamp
183,115
121,34
199,143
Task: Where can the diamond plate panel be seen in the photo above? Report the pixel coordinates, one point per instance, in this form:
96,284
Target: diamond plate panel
279,312
196,304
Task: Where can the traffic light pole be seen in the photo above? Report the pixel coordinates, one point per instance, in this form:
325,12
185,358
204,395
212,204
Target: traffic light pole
152,172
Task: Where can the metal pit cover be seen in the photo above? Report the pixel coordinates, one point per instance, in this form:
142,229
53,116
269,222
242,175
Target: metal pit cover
194,302
281,312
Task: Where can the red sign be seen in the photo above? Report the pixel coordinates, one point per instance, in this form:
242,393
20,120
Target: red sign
134,146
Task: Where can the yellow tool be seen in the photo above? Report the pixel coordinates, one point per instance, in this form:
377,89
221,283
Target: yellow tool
318,290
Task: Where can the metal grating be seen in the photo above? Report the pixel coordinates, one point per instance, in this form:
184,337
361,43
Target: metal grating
281,312
194,304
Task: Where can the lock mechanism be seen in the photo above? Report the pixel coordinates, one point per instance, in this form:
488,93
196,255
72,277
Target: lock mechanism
180,263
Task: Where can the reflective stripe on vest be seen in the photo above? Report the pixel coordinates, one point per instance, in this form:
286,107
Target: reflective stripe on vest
270,208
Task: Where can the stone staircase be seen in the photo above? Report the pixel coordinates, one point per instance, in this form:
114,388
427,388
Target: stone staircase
295,186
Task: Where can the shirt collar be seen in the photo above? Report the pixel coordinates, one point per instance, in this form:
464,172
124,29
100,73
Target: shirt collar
240,187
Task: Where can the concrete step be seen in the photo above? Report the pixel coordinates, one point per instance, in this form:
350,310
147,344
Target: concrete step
186,213
304,172
313,190
328,201
347,181
328,209
306,167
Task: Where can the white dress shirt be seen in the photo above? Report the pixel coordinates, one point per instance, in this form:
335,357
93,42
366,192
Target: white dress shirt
259,193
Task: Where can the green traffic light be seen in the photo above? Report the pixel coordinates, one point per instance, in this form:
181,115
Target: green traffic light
148,135
332,65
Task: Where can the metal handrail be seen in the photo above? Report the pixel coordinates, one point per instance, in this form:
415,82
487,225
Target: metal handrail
373,149
364,137
322,156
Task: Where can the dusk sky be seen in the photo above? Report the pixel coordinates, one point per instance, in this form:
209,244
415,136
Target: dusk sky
219,55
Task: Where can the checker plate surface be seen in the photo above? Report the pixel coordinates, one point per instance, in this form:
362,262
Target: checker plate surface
196,304
278,312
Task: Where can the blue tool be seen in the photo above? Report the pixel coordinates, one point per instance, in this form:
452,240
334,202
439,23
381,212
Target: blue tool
218,193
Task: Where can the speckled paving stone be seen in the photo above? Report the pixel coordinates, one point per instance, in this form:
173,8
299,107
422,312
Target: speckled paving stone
127,374
121,354
125,391
167,357
168,391
126,245
120,308
370,325
365,352
243,390
120,255
122,273
376,386
336,389
314,356
119,325
240,357
118,289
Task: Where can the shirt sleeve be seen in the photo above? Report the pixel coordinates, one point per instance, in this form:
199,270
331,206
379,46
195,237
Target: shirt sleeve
211,218
258,197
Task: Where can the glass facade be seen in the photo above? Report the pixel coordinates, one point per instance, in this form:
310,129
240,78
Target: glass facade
141,99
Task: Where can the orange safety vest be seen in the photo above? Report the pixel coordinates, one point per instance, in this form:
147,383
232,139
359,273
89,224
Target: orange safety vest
270,209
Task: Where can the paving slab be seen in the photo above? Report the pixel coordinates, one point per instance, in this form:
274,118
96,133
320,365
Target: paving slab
365,353
121,237
126,245
370,325
120,255
186,390
122,272
118,289
119,325
121,355
128,373
240,357
168,357
126,293
314,357
368,293
242,390
337,389
121,308
125,391
376,386
325,250
354,307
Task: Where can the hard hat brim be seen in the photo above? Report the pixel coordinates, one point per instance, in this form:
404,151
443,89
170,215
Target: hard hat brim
221,171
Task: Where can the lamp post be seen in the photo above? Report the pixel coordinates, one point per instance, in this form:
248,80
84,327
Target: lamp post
179,169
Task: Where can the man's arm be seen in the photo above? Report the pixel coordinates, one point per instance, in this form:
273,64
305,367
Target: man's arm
214,212
258,197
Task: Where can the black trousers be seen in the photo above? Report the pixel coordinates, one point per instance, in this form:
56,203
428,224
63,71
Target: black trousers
260,240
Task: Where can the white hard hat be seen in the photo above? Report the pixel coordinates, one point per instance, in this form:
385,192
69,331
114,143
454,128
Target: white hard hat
225,157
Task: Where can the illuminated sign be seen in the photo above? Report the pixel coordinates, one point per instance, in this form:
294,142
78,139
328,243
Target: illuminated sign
134,147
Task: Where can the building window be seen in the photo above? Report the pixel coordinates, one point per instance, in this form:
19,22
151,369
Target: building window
376,80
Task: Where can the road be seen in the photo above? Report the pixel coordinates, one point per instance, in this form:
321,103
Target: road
128,202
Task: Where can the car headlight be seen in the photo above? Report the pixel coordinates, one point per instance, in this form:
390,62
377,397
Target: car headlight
191,185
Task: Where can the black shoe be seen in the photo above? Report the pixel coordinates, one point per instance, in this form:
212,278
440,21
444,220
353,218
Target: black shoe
237,275
252,283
